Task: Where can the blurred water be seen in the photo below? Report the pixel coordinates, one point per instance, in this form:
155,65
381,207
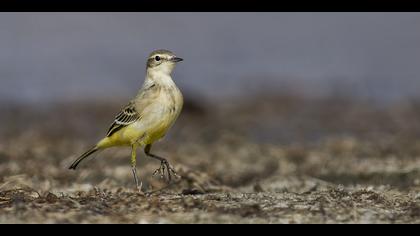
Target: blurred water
46,57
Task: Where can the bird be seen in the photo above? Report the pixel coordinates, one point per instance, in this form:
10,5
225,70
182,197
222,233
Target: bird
147,117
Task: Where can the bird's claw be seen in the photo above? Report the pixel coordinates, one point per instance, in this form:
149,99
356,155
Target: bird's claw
139,187
164,165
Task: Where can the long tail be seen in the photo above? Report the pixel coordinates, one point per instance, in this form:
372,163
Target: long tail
83,156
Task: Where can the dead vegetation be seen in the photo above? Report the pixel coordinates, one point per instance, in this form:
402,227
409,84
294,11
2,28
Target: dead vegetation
280,159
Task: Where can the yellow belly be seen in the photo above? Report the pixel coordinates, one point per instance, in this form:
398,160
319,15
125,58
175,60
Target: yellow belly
155,134
130,135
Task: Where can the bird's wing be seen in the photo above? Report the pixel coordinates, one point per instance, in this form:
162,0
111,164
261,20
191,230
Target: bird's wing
134,110
127,116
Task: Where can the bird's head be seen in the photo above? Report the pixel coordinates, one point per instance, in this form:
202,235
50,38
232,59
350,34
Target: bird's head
162,61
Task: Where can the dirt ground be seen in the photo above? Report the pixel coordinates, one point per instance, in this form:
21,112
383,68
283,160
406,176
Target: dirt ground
278,159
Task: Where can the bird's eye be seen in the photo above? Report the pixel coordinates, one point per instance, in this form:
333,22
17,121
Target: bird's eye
157,58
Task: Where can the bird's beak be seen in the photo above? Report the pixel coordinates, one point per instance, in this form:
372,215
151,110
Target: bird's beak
176,59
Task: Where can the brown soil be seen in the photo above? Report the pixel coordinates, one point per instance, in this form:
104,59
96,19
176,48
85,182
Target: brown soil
280,159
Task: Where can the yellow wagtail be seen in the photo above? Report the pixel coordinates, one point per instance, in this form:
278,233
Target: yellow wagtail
147,117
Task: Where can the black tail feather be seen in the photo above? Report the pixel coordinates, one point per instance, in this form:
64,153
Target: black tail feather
82,157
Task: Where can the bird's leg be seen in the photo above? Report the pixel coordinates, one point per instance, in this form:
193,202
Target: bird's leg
133,166
164,164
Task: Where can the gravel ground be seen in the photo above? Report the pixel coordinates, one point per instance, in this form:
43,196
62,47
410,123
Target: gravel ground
278,159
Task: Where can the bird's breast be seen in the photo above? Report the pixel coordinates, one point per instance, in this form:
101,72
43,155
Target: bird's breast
166,111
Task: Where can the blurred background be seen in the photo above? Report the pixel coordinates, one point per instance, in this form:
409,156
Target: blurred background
48,57
274,102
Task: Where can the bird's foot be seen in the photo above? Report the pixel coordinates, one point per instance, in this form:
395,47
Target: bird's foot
164,165
138,183
139,189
